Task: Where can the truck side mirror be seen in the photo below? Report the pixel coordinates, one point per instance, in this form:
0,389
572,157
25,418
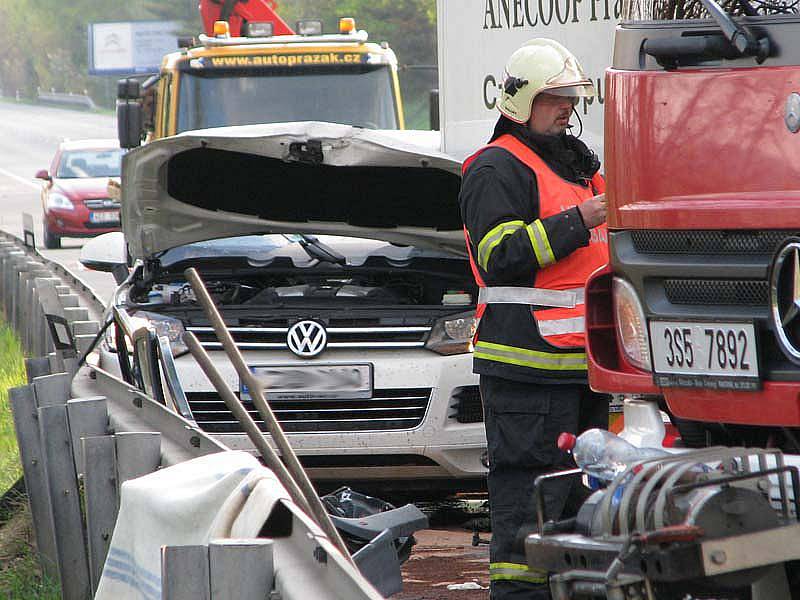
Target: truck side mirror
130,126
434,109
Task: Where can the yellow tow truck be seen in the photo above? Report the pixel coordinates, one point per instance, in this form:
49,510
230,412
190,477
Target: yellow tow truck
245,71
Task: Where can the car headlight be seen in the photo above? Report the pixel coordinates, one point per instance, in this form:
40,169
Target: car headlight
453,334
631,324
60,201
168,327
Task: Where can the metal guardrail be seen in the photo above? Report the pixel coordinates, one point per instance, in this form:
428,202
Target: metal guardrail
66,99
114,431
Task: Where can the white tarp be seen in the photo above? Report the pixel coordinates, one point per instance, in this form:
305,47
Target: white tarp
223,495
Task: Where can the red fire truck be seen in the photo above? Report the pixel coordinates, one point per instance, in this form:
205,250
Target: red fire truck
700,304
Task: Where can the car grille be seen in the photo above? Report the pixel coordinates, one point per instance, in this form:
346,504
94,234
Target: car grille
274,338
709,242
101,203
467,405
722,292
387,410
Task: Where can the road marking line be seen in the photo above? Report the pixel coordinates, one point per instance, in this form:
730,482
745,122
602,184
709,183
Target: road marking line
19,179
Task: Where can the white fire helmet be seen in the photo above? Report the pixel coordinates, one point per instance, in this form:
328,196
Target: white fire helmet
540,65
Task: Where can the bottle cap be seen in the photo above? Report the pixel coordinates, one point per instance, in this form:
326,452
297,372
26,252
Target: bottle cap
566,441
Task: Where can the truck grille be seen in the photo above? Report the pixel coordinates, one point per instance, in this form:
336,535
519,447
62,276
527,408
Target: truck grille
723,292
387,410
709,242
274,338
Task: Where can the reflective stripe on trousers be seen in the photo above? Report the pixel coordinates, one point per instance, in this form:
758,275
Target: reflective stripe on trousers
504,571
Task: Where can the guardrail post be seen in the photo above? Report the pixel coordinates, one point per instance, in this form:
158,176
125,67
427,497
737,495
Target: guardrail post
85,327
76,313
83,343
60,468
87,417
69,300
51,390
100,494
53,309
26,425
240,569
184,573
10,270
138,453
37,367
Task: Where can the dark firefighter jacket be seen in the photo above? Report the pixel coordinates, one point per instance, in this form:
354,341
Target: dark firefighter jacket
503,217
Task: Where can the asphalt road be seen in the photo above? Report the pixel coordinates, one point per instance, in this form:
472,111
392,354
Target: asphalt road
29,136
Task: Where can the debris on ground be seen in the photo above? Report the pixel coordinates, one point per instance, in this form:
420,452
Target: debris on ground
443,558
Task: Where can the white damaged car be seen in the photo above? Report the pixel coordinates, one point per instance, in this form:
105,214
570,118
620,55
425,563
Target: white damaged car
336,257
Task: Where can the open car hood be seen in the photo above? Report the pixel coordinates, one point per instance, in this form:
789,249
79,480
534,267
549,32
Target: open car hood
290,178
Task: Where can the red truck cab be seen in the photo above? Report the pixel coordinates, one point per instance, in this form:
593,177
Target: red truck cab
700,304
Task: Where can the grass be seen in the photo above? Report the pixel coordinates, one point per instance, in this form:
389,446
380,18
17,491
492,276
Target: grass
12,374
20,575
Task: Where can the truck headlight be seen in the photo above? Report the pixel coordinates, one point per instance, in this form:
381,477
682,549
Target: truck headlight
631,324
60,201
453,334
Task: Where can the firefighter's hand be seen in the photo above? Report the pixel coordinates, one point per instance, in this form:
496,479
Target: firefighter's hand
593,211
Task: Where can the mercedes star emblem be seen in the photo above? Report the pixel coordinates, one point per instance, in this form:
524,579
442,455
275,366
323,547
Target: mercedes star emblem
307,338
785,298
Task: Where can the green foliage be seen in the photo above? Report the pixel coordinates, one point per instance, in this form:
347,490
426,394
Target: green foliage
409,26
12,374
43,43
21,579
20,575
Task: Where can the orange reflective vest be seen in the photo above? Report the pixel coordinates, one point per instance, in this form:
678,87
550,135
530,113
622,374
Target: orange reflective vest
557,288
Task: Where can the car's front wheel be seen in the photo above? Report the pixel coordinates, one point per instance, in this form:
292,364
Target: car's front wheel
51,241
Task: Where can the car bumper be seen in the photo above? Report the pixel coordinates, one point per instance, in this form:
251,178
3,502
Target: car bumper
439,448
75,223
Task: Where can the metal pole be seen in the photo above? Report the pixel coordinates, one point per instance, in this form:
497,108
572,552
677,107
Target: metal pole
248,424
259,400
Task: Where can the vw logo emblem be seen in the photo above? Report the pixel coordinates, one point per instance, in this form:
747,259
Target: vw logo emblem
307,338
785,298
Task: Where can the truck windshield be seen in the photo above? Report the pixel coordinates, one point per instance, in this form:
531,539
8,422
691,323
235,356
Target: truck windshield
362,97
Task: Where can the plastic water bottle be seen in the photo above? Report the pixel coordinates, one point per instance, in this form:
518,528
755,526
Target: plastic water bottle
602,454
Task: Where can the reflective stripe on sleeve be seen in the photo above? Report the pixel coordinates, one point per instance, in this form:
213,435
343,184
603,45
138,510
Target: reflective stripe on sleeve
561,326
516,572
575,361
541,244
493,238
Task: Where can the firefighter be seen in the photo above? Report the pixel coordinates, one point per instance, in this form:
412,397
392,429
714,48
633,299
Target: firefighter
534,213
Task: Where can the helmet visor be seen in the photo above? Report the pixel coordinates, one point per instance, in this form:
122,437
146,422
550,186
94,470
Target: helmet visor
581,90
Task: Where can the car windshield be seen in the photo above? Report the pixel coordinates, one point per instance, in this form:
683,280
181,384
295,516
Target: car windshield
76,164
361,96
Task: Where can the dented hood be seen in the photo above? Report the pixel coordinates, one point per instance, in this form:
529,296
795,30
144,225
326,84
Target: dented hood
290,178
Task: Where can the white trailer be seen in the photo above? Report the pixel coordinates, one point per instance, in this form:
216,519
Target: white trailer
476,37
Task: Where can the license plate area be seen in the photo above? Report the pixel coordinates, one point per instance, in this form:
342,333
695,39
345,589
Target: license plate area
313,382
705,354
104,217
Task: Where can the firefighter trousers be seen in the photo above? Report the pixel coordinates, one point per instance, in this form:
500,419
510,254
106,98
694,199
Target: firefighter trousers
523,421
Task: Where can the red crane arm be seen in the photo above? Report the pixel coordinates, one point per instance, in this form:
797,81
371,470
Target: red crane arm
238,12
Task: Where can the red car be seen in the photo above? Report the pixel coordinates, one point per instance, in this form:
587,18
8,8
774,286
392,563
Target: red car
75,200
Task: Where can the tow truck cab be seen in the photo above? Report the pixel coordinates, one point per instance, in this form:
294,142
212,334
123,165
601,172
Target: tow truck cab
699,304
263,78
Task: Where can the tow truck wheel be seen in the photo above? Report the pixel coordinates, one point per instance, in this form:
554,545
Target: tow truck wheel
51,242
